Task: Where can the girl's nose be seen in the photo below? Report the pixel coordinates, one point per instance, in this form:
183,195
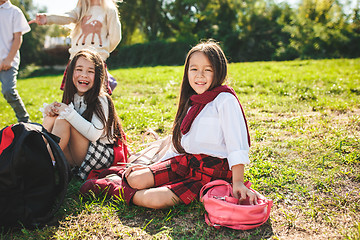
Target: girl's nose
84,74
200,73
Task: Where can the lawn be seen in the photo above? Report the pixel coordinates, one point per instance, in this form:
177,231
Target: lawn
304,120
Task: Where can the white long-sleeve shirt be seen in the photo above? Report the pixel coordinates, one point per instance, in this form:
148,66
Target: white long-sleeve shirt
93,130
220,131
101,30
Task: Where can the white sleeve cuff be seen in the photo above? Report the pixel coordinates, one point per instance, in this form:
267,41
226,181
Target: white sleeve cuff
238,157
42,109
67,111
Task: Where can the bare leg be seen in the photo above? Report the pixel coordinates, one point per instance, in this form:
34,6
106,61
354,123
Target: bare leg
73,144
78,146
48,123
157,198
141,179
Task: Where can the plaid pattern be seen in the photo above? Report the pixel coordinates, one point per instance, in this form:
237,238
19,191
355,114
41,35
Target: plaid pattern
99,156
106,83
186,174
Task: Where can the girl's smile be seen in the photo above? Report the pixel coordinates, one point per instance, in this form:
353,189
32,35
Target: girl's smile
84,75
200,73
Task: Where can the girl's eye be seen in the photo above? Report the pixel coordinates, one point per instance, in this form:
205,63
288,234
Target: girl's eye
208,70
193,69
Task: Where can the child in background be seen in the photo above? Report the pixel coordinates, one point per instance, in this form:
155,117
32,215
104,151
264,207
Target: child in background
86,120
13,25
97,27
210,135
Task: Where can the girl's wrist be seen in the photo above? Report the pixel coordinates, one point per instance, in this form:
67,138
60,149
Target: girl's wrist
66,111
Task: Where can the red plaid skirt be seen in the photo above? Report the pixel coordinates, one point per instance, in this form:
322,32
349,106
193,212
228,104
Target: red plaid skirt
186,174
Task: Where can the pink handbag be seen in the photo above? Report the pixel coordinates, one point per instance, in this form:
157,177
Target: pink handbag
222,209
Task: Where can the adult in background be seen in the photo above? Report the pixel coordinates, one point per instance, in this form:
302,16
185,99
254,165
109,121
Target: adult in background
13,25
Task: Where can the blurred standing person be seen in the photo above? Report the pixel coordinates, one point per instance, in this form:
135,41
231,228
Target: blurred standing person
97,28
13,25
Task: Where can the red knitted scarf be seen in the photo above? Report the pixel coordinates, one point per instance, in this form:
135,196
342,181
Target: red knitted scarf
198,102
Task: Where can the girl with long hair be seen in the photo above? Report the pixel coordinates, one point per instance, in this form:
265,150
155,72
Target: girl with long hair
85,120
210,135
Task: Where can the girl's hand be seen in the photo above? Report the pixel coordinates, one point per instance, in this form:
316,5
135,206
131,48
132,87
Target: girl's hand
50,110
59,107
40,19
133,167
240,191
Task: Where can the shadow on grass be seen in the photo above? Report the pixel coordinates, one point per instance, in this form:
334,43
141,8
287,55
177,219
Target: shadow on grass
35,71
184,222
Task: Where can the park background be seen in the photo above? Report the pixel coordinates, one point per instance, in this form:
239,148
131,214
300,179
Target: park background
160,32
296,72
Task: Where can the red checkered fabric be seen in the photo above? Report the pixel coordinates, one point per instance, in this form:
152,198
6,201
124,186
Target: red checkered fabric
186,174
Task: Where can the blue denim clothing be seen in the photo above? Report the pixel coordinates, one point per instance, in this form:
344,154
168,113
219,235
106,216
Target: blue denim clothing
8,82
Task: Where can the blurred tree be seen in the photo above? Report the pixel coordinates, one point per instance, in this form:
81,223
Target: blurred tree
144,17
130,20
55,30
248,30
181,17
319,29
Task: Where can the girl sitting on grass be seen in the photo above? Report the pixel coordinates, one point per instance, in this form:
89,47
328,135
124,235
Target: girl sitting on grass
86,120
210,136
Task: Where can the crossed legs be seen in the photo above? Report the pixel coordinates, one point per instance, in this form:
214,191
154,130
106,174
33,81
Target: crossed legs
146,196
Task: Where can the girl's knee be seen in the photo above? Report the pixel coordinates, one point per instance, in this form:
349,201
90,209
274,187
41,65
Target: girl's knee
141,179
61,124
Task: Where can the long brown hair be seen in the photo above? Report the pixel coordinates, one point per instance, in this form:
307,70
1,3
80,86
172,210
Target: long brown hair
219,64
113,128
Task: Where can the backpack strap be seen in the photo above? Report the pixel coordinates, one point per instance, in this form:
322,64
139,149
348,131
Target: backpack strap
61,164
7,136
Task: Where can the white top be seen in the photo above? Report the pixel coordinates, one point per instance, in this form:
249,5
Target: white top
219,131
12,20
100,30
93,130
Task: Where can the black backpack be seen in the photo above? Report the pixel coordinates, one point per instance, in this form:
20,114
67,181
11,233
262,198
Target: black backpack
32,187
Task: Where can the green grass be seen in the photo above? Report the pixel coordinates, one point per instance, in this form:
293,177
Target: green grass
304,119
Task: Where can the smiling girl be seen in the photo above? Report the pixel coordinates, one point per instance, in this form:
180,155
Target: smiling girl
86,120
210,136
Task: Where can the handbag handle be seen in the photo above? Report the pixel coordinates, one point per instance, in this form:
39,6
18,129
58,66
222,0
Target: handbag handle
218,182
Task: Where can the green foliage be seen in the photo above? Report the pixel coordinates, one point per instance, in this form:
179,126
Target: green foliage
149,54
249,30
